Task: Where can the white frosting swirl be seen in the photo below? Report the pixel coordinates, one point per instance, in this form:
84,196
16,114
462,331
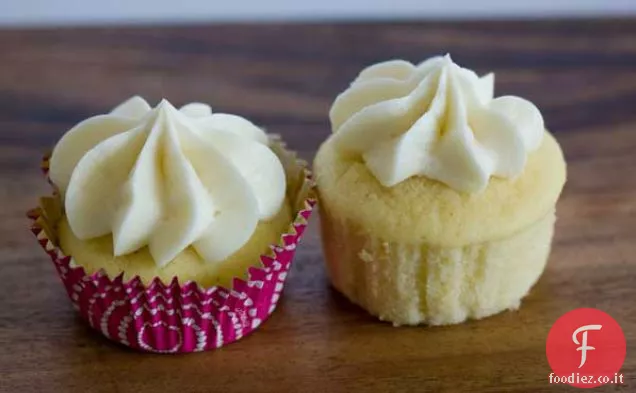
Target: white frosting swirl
168,179
435,119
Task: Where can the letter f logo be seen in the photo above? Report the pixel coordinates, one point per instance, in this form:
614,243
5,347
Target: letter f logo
584,347
573,330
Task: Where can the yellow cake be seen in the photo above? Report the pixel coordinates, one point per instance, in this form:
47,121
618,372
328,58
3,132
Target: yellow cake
411,240
166,192
95,254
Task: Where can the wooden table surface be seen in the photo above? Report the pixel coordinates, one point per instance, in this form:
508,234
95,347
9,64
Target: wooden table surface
582,74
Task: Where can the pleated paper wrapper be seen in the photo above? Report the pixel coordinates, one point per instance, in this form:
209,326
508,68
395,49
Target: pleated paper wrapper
174,317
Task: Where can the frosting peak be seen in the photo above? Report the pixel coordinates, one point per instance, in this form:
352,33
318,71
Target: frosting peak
167,178
437,120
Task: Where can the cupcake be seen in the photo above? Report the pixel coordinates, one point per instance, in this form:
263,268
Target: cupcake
172,229
437,199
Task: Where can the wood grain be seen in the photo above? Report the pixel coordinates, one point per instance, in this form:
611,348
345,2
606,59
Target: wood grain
582,74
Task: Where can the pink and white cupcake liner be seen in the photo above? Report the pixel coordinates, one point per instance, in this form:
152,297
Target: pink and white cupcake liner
174,317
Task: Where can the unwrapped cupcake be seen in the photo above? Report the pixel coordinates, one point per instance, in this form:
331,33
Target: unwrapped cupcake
437,199
173,229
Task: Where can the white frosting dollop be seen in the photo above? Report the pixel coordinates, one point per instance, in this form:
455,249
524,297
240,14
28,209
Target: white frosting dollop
437,120
168,179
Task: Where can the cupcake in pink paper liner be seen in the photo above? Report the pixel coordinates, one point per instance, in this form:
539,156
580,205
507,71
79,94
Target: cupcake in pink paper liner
172,230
